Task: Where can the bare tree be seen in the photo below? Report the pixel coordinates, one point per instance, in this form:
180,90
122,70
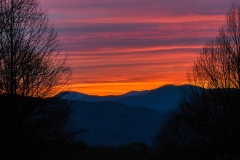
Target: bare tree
217,69
31,71
30,63
218,64
208,118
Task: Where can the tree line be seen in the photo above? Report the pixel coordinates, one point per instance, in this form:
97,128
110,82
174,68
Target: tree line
207,122
32,123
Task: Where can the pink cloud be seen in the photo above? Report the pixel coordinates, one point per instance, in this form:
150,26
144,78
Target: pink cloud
135,44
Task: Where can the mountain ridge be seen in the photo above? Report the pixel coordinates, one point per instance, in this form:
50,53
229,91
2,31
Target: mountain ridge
162,98
129,93
118,120
112,123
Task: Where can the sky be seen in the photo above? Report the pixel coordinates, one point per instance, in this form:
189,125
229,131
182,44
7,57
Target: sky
119,46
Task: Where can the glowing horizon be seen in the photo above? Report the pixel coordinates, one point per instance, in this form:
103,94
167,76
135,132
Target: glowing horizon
119,46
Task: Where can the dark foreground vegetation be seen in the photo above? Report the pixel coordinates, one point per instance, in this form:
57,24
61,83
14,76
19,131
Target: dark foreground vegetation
207,122
33,128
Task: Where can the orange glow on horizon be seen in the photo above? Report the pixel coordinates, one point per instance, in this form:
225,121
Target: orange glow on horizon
103,89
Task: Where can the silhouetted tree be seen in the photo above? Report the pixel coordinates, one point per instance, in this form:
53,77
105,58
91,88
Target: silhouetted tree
30,64
31,71
207,123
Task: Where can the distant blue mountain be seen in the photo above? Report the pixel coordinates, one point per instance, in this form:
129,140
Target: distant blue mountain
117,120
163,98
136,93
70,95
112,123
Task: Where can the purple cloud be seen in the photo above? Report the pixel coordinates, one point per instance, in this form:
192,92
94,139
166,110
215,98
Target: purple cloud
134,41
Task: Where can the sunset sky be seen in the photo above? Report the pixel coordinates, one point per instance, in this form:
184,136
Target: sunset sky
117,46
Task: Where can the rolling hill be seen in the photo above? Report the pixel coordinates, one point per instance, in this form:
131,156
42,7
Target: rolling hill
117,120
112,123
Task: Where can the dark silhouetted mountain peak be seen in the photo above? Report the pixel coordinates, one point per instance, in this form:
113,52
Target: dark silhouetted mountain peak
71,95
136,93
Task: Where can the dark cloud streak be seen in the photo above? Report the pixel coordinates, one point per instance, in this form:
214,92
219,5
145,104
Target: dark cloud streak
134,43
